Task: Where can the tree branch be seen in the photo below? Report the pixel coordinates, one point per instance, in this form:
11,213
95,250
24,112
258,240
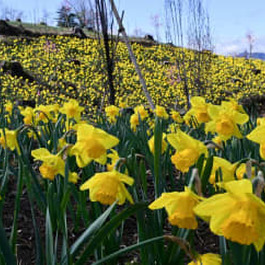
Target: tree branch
127,42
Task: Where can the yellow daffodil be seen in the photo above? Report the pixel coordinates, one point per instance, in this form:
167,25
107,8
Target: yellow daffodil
258,136
140,110
260,121
8,138
52,164
134,121
9,107
218,140
92,144
151,144
176,116
28,114
238,214
199,109
187,118
242,169
225,122
43,113
179,207
112,112
122,105
161,112
114,156
61,143
207,259
233,104
107,187
73,177
188,150
228,170
173,128
72,109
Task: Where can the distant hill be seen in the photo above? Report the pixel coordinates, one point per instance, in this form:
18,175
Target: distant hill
255,55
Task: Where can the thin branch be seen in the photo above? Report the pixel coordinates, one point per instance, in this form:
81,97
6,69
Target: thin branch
127,42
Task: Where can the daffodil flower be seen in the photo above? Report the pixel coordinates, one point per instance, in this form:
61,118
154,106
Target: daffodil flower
258,136
112,112
72,110
140,110
45,112
9,139
228,170
199,109
179,207
188,150
92,144
114,156
9,107
238,214
151,144
134,121
161,112
225,121
176,116
28,114
107,187
207,259
52,164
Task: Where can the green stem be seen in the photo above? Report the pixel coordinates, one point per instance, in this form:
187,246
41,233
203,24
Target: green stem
223,248
5,247
157,157
13,237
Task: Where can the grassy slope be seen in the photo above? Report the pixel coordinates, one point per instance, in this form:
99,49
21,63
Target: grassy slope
45,29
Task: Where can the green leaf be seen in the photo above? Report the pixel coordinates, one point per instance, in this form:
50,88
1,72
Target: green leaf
206,172
92,229
157,157
107,229
5,247
39,254
49,239
130,248
200,163
13,236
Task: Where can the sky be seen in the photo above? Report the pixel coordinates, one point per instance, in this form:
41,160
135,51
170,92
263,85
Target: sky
230,20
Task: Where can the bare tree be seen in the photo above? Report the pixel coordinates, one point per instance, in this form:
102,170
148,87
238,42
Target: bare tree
12,14
45,16
190,16
175,34
156,22
250,40
138,32
199,39
105,24
84,11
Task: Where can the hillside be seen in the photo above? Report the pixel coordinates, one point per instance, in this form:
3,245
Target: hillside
64,68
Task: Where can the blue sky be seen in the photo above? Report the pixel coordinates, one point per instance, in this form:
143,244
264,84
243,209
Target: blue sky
230,20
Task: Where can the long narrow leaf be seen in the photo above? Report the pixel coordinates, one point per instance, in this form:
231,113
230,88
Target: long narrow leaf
107,229
49,239
13,237
128,249
93,228
39,254
5,247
